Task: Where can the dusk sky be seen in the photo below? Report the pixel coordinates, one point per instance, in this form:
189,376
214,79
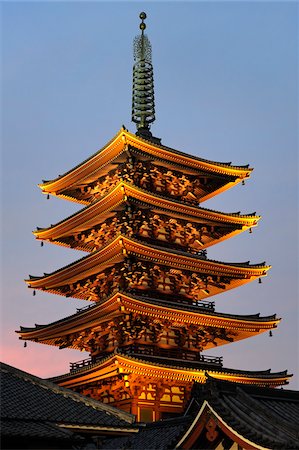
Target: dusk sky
226,89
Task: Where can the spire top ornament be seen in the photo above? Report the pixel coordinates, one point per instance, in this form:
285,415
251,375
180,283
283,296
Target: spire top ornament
143,101
142,26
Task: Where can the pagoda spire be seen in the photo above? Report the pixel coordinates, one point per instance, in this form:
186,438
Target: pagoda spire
143,99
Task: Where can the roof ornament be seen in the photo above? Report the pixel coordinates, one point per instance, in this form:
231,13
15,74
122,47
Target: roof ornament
143,101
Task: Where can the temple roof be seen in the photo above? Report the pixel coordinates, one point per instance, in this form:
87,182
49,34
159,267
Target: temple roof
167,368
159,435
33,407
99,163
106,207
91,317
254,417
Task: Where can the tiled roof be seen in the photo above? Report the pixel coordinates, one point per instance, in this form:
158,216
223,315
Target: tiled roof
264,416
156,435
26,429
158,146
268,417
26,398
199,209
197,365
173,363
154,301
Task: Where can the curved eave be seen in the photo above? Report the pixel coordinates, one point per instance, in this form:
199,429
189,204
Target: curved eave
118,363
225,416
121,246
89,216
121,303
88,168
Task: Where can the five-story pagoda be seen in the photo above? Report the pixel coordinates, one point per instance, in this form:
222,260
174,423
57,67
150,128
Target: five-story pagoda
146,272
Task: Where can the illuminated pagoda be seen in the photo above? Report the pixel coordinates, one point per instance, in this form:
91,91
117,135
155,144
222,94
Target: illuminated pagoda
146,273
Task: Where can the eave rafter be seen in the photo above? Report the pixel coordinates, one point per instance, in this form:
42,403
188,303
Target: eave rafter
154,263
84,222
121,304
122,364
102,162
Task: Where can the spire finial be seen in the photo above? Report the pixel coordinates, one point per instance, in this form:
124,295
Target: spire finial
143,101
142,26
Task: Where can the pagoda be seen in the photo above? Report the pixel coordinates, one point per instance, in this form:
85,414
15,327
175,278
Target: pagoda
146,272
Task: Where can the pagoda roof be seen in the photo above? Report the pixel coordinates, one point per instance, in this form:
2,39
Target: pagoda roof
122,303
171,369
115,252
90,169
106,207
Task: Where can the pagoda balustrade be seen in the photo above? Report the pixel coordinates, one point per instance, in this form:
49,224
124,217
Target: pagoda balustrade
178,353
151,177
151,350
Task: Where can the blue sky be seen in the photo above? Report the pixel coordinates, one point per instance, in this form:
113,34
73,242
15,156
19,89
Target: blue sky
226,89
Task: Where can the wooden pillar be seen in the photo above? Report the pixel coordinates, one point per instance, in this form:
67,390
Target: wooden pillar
134,406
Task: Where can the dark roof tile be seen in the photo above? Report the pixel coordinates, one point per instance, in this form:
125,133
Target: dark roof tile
21,428
26,397
266,416
157,435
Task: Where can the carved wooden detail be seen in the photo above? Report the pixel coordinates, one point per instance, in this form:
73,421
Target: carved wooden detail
140,276
139,334
155,178
151,227
138,389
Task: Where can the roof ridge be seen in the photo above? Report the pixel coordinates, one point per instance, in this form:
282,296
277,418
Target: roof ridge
45,182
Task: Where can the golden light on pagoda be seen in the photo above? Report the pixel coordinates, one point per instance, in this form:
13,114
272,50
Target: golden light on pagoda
147,274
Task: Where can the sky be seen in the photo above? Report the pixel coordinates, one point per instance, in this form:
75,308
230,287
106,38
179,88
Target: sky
226,89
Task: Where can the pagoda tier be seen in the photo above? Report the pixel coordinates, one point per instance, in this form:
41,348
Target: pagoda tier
127,264
155,325
140,214
148,165
161,384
